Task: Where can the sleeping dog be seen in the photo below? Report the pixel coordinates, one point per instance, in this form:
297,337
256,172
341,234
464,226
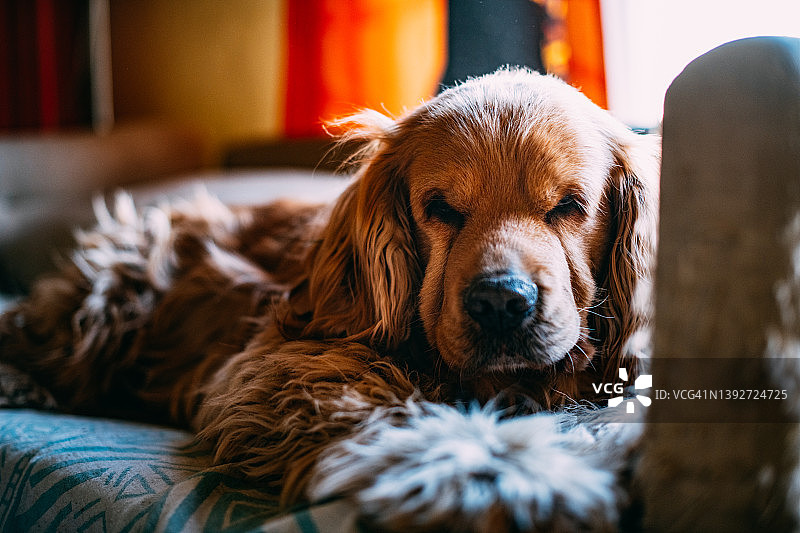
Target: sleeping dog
493,249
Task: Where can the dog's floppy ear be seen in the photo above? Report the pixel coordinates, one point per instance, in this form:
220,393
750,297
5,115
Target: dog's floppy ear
623,318
364,274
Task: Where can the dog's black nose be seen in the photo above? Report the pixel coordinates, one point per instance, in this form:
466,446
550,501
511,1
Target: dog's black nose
500,302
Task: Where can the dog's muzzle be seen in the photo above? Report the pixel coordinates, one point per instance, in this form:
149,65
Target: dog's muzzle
500,303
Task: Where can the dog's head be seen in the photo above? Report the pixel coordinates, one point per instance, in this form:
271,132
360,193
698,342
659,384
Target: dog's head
510,216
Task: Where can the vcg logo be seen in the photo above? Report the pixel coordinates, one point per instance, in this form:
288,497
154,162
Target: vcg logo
645,381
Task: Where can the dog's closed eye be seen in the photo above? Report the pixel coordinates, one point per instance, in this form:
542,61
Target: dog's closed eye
438,209
570,204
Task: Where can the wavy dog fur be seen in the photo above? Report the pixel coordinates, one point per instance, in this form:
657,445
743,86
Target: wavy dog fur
285,333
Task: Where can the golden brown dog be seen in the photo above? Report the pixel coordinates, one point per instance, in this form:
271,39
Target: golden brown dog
497,240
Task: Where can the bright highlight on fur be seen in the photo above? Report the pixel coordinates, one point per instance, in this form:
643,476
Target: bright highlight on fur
435,467
495,245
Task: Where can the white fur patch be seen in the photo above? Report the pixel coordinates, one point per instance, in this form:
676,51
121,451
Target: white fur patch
234,266
434,464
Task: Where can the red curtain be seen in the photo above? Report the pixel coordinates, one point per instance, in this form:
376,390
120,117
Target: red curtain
44,64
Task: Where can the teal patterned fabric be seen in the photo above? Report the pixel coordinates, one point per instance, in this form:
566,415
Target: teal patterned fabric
69,473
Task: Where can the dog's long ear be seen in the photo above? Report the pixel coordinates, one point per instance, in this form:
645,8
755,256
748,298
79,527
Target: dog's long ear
623,316
363,276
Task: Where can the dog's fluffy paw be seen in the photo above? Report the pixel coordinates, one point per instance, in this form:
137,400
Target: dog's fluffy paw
436,468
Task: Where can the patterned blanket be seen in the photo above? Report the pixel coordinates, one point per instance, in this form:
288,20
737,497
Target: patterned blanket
69,473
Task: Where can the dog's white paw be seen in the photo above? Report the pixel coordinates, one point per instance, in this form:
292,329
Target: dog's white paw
430,467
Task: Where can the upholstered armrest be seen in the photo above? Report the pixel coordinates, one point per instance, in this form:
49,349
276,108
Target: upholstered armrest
47,180
728,296
65,164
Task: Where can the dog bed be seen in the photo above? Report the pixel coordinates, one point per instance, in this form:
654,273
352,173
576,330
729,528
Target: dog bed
71,473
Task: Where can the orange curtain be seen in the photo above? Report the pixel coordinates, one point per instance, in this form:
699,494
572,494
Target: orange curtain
574,45
342,56
585,37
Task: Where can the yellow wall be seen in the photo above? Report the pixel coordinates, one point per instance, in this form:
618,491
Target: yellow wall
214,65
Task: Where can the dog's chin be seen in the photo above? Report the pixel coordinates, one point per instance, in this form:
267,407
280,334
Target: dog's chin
506,361
539,347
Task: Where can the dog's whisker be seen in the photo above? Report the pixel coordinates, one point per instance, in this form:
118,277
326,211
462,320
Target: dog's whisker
595,313
585,334
578,346
590,363
565,396
596,304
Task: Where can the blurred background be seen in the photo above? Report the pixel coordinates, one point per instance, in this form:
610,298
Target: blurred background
246,73
147,95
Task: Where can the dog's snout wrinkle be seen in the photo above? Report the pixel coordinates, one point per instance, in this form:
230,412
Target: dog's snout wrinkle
500,303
